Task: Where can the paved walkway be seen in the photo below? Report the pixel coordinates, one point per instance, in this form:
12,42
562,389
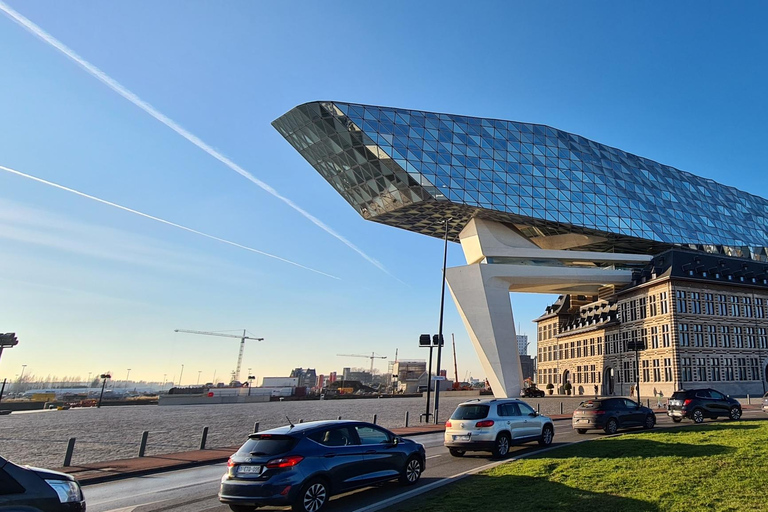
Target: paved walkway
126,468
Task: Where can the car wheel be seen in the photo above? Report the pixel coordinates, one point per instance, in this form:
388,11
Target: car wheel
650,422
412,471
501,448
546,436
735,413
611,427
676,419
698,416
456,453
581,430
312,498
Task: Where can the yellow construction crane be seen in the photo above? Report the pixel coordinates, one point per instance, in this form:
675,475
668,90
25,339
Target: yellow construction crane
236,373
371,357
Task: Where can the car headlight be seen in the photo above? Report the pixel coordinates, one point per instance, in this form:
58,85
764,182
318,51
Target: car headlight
67,490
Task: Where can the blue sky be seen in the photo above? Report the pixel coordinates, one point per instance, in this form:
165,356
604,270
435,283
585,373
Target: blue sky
90,288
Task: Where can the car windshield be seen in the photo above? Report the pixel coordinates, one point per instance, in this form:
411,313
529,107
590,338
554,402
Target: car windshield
590,404
267,444
470,412
678,395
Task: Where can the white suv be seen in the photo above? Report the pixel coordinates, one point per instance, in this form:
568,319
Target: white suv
495,424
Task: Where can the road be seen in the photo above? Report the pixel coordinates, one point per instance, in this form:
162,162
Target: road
194,490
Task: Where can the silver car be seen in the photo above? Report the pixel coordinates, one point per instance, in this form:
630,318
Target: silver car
494,425
765,402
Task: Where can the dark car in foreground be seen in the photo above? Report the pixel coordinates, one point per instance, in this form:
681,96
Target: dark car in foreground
611,414
29,489
697,404
303,465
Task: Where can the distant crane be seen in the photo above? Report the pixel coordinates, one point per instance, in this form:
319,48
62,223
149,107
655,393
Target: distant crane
371,357
236,373
456,384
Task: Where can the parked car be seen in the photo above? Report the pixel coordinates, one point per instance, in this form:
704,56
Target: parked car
611,414
765,402
697,404
532,392
303,465
30,489
494,425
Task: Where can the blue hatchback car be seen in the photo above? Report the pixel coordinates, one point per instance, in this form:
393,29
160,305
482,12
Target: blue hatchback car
303,465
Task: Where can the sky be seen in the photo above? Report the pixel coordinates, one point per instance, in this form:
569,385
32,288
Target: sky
90,287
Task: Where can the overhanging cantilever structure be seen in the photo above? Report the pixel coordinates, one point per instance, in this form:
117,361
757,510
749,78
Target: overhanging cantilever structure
530,204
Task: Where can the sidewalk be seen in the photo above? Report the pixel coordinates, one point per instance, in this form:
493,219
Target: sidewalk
98,472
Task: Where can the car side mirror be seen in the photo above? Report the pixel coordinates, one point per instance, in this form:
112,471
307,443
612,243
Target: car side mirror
533,414
395,441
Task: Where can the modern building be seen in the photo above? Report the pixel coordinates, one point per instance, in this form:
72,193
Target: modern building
522,344
536,209
406,374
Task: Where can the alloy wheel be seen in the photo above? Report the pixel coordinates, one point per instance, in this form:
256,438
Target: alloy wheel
315,497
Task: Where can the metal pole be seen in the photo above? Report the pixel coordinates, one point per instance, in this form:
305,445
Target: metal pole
637,369
440,326
143,445
429,383
255,427
406,419
374,418
3,388
204,438
103,385
70,449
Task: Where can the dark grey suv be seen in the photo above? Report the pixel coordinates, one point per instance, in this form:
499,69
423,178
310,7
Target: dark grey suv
29,489
697,404
303,465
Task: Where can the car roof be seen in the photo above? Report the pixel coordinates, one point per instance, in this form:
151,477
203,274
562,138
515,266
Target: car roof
488,401
309,426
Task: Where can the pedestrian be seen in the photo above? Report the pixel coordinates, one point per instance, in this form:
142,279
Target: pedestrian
595,390
631,391
659,400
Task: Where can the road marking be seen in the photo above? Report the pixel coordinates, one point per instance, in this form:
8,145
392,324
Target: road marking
156,491
433,456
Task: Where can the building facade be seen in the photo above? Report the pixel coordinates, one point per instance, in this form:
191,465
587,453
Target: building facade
696,320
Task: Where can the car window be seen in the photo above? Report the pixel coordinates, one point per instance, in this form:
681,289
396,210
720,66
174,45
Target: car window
509,410
590,404
336,436
702,393
470,412
630,404
267,444
716,395
525,409
678,395
372,435
8,485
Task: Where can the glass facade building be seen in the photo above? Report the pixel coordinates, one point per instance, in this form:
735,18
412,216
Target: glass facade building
412,169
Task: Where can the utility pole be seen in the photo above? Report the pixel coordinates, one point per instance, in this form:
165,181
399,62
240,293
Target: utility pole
440,326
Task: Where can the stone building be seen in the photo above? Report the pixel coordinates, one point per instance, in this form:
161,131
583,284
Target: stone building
695,320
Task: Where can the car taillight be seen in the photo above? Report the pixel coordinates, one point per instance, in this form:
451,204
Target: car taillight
599,412
230,463
447,424
484,423
285,462
687,402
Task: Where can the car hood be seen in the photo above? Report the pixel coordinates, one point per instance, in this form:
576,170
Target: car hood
48,474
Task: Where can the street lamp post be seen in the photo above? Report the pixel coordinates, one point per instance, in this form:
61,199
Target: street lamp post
126,377
180,374
440,323
21,378
198,376
103,377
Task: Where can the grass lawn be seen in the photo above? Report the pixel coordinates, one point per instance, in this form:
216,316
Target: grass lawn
710,467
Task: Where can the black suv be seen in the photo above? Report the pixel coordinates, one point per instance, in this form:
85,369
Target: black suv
38,490
697,404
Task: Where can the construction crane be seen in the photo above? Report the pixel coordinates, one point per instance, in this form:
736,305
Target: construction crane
456,384
371,357
236,373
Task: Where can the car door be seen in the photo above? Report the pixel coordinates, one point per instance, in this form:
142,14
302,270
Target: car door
531,419
383,460
512,420
720,403
633,413
342,456
704,400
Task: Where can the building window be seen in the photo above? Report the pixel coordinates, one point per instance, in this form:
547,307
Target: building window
667,369
682,305
754,369
698,335
709,305
654,337
728,369
742,368
701,369
762,339
665,336
695,303
646,371
751,338
599,345
722,307
684,336
641,307
685,369
633,310
652,305
759,311
656,371
735,310
663,302
714,364
748,307
726,336
738,339
711,336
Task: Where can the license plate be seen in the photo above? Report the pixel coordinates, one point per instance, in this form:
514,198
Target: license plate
248,470
461,438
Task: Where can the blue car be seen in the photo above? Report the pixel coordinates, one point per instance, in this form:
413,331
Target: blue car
303,465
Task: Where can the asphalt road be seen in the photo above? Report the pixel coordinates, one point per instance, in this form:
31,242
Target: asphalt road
194,490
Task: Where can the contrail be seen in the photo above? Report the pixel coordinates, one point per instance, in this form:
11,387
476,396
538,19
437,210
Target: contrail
157,219
170,123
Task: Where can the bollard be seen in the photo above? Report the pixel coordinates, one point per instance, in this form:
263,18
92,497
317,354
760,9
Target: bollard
561,407
255,427
406,419
374,419
748,401
143,446
538,408
338,418
648,402
301,420
204,439
70,449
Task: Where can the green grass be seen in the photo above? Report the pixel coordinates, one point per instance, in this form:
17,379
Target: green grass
709,467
